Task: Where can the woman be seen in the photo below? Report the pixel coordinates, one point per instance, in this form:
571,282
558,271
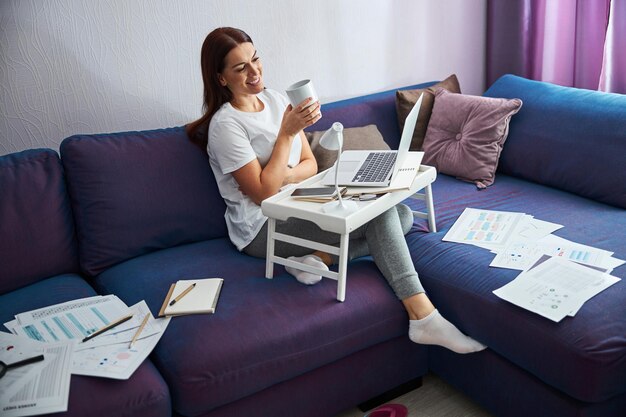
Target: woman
256,146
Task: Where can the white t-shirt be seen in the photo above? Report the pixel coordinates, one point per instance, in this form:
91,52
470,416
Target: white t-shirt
235,138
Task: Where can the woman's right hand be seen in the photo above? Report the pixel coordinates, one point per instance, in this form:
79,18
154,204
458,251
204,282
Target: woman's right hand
300,117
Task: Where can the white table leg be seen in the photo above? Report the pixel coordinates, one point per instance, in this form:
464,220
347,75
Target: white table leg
343,267
430,208
269,258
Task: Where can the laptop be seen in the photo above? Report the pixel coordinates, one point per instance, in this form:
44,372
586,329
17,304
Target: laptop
374,168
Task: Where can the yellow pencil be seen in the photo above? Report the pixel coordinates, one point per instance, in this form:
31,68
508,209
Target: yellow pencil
139,330
182,294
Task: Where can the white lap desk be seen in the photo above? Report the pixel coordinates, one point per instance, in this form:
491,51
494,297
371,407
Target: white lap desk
281,207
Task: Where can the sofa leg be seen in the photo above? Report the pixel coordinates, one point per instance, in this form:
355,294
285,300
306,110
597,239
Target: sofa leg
387,396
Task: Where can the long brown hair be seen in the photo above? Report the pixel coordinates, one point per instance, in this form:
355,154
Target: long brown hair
216,46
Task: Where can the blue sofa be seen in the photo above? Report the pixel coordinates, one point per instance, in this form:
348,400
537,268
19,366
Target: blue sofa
129,213
39,266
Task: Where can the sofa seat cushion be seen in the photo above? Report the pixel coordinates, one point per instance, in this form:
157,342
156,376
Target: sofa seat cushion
264,331
37,238
144,393
583,356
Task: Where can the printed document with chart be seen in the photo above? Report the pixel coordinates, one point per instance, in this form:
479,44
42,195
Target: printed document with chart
485,228
555,288
39,388
108,355
558,276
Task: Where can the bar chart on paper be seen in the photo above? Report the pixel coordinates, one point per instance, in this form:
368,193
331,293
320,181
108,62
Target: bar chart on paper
73,320
109,354
572,251
484,227
574,255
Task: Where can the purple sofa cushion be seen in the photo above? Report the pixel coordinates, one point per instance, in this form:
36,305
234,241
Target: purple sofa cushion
264,331
583,356
406,99
136,192
144,394
466,133
37,238
567,138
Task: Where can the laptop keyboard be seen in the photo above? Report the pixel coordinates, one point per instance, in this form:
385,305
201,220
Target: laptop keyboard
376,167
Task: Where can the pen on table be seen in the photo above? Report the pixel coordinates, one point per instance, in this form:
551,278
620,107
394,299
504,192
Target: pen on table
139,330
108,327
182,294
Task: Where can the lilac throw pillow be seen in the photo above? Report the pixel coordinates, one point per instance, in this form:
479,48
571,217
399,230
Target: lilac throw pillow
466,133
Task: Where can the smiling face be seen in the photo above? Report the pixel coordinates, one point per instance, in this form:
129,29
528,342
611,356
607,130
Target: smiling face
243,72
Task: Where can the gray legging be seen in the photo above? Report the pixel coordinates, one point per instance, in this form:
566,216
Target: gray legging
382,237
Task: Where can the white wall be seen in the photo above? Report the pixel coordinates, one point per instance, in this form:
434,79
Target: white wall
84,66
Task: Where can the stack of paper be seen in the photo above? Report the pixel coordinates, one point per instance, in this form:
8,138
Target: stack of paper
72,339
524,243
519,240
109,354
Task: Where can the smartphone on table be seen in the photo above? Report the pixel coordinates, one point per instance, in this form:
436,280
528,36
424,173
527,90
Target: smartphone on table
324,192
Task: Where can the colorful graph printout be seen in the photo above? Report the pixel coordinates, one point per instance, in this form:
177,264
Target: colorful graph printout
484,227
72,320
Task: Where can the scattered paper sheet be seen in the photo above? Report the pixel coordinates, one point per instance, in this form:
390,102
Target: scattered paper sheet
125,332
72,320
117,360
518,255
522,255
486,228
535,229
46,391
555,288
566,249
612,263
107,355
14,349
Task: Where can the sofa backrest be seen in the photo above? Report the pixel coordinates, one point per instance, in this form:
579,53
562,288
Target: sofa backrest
378,109
37,238
137,192
567,138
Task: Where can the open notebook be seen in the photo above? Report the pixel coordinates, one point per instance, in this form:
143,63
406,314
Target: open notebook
201,298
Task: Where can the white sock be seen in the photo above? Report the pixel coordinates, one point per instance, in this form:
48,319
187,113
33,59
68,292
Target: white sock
303,276
434,329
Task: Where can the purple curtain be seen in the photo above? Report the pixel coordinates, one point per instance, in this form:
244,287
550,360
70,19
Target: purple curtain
568,42
613,77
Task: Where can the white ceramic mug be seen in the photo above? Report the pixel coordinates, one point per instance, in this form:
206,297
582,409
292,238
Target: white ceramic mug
300,91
